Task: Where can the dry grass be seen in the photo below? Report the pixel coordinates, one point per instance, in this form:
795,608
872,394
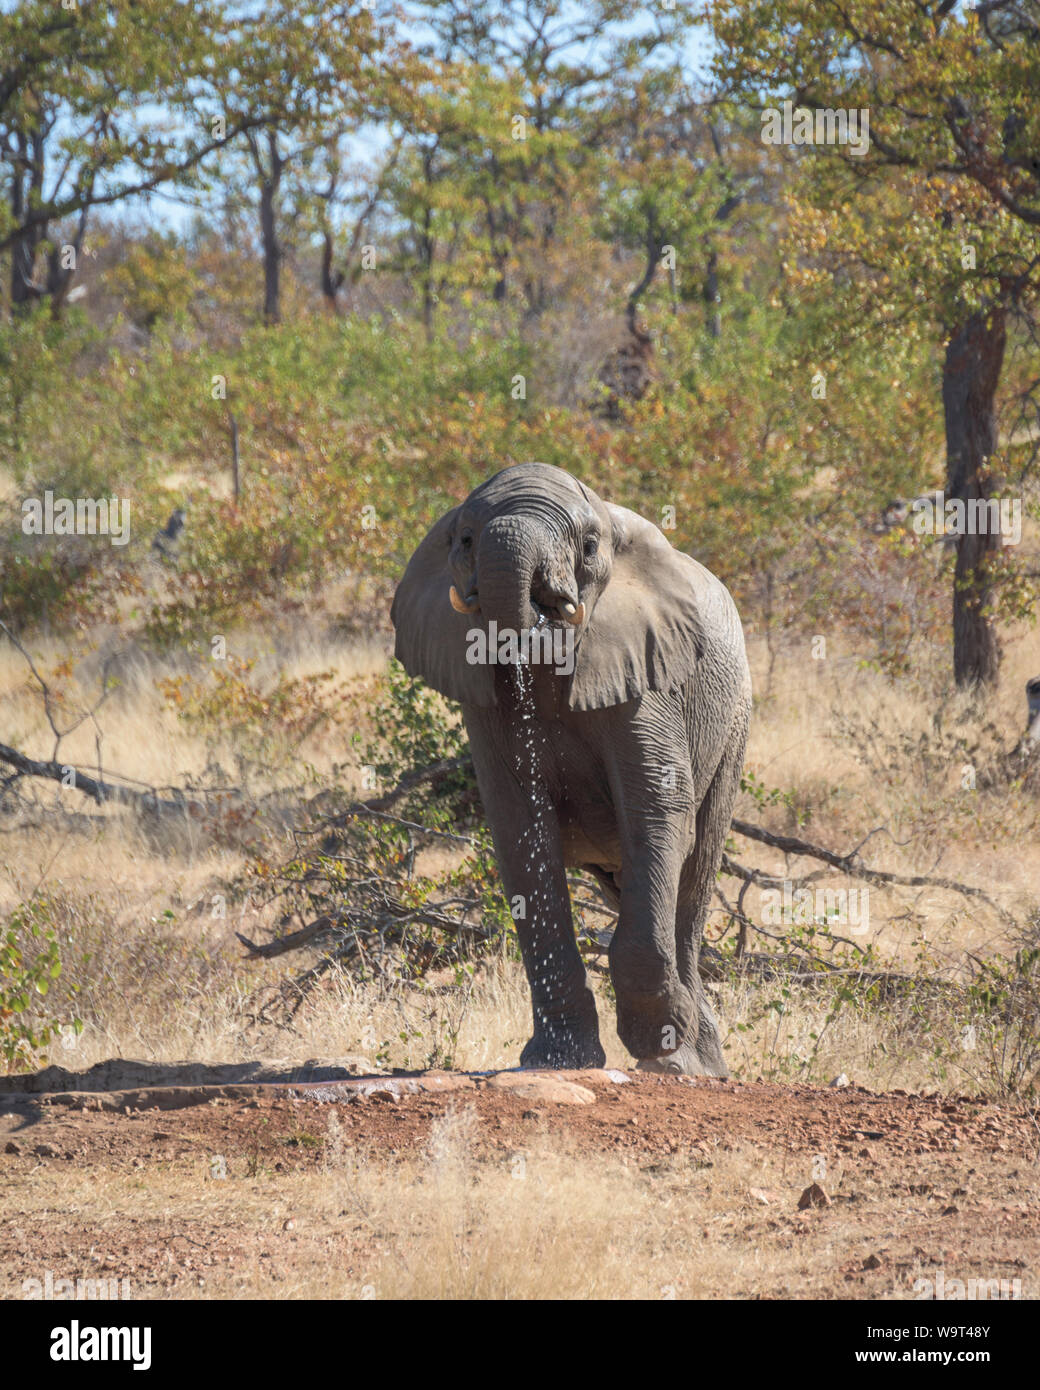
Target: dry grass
149,928
164,991
538,1224
161,977
862,754
142,736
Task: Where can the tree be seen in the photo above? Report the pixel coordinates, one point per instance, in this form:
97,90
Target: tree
669,187
95,107
544,85
289,74
935,223
330,186
467,184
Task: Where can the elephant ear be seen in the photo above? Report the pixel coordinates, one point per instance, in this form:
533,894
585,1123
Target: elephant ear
646,631
431,637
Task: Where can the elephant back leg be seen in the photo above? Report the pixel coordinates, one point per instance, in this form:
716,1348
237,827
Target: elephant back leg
701,1051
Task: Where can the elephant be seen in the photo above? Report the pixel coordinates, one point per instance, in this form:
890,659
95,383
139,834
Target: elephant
620,752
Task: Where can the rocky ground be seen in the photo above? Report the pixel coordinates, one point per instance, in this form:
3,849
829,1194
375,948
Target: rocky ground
799,1192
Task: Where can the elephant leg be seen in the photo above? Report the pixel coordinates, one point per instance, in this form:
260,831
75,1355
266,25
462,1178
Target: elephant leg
655,1009
701,1051
651,787
606,881
529,851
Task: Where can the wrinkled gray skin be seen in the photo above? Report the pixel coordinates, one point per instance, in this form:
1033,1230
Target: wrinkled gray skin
627,768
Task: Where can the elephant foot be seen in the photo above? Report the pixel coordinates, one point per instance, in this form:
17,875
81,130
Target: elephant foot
699,1054
563,1050
652,1025
685,1062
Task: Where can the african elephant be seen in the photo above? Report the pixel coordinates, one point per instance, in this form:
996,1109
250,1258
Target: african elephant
619,752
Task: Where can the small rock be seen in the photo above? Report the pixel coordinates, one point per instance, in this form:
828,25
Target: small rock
763,1195
543,1086
813,1196
872,1262
11,1147
289,1225
839,1081
581,1076
445,1081
45,1151
391,1097
951,1210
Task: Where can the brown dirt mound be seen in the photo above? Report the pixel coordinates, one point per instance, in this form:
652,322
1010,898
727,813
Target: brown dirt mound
85,1112
903,1174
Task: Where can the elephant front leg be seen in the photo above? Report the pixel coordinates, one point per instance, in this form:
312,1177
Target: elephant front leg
701,1051
665,1018
566,1028
529,851
655,1009
663,1015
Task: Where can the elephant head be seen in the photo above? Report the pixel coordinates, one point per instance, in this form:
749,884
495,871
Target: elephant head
532,547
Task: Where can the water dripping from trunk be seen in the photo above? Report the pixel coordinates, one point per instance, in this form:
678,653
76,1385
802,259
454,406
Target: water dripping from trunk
533,758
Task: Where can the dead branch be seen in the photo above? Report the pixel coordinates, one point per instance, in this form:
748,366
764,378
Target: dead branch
295,939
852,865
96,788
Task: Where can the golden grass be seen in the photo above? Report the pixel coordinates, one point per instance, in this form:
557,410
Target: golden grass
165,979
539,1223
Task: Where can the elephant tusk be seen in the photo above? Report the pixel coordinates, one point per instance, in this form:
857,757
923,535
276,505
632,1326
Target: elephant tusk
463,605
572,615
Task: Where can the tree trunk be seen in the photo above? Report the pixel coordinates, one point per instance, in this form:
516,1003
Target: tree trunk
971,374
331,280
272,253
428,253
711,295
269,185
27,180
654,251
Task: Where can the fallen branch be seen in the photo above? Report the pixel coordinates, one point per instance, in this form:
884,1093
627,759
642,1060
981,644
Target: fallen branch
852,865
295,939
95,787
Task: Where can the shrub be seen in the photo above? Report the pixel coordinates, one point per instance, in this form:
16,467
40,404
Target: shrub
29,962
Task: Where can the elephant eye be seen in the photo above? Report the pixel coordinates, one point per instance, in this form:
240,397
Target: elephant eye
590,547
467,540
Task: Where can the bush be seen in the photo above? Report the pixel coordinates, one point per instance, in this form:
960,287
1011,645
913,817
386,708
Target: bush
29,963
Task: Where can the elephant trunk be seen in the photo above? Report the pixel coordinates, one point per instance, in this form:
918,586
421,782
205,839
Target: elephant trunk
511,551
